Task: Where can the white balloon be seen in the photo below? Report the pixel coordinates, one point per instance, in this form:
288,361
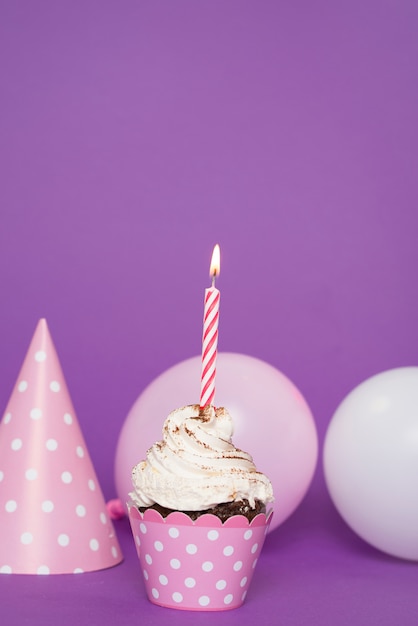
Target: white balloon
371,461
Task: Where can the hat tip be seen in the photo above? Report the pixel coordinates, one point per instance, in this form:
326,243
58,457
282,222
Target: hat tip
42,323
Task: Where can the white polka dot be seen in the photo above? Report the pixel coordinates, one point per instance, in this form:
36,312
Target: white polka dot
16,444
43,569
190,582
66,477
92,485
47,506
5,569
94,545
31,474
63,540
254,548
80,510
54,386
155,593
138,541
142,528
237,566
213,535
26,538
1,476
114,552
228,598
221,584
191,548
145,574
148,559
207,566
248,534
243,595
103,518
255,563
7,418
36,414
228,550
51,445
163,579
80,451
68,419
175,563
204,600
78,570
177,597
11,506
243,581
174,532
40,356
22,386
158,546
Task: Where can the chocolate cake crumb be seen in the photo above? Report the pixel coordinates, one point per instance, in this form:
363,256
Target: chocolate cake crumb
223,511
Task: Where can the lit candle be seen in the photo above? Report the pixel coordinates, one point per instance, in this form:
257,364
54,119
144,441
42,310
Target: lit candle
210,334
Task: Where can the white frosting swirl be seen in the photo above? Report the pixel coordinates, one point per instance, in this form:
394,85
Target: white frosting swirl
196,466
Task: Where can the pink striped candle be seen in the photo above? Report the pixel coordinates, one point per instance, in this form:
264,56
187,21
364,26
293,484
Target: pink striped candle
210,334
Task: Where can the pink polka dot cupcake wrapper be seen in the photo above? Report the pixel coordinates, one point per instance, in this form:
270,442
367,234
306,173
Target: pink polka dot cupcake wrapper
204,565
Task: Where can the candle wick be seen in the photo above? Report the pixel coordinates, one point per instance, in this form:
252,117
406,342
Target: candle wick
213,279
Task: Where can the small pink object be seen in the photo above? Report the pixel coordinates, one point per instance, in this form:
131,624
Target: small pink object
204,565
115,509
210,335
53,516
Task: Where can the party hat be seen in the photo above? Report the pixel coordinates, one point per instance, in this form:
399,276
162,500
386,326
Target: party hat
53,516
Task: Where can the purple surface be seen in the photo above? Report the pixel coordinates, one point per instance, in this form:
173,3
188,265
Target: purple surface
134,136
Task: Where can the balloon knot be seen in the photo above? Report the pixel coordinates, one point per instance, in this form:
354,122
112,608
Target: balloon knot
115,509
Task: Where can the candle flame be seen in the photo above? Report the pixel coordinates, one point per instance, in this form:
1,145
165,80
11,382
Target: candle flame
215,264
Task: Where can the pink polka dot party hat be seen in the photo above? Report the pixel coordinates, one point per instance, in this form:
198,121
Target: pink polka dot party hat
53,516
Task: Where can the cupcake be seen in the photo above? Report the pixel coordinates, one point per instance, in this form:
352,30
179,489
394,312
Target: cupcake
198,513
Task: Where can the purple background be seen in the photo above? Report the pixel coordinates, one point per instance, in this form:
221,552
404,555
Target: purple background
134,136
